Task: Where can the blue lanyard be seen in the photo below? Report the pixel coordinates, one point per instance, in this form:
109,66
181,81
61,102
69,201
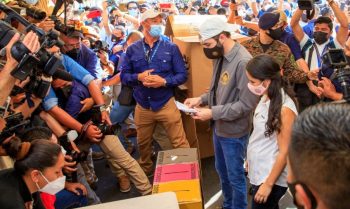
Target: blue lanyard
147,53
319,62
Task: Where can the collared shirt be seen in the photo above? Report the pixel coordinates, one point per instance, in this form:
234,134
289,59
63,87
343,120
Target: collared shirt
262,151
282,55
289,39
234,101
77,72
79,92
166,60
89,60
14,191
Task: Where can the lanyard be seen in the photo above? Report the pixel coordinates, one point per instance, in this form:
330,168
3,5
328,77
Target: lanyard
147,52
318,54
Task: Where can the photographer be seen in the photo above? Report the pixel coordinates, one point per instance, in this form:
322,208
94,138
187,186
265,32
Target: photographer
7,81
38,167
314,48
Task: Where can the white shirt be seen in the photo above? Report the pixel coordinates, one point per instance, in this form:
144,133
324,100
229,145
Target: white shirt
262,151
321,48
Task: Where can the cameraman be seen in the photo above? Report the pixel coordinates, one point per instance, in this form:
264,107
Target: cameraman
7,81
314,48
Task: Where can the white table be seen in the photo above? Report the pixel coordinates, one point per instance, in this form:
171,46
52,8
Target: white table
166,200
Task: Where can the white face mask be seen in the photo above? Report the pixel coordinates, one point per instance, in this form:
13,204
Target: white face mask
52,187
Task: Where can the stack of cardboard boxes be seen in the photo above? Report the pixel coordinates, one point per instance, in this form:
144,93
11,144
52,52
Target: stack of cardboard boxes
178,171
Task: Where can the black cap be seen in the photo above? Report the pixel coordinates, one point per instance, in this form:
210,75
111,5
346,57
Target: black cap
268,20
76,34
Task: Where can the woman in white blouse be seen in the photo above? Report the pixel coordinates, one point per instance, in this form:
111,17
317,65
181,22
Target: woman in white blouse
268,143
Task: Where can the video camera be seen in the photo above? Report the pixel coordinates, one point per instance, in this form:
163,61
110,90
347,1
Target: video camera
41,66
112,3
96,119
14,123
61,27
335,58
307,4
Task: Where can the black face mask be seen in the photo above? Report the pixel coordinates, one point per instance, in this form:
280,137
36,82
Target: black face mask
122,24
276,34
320,37
74,53
115,38
215,52
312,198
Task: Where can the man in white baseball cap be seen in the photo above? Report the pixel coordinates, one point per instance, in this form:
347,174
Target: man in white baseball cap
230,104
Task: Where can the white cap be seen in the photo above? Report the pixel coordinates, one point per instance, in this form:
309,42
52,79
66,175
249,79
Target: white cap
151,13
212,27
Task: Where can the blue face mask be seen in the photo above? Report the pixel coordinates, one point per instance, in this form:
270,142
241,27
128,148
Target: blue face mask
156,31
133,12
97,20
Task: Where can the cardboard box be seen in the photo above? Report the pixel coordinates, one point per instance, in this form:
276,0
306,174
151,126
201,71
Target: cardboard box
176,156
188,193
176,172
184,31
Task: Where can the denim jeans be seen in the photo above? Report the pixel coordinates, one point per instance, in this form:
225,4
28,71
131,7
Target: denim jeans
273,199
66,199
229,160
120,113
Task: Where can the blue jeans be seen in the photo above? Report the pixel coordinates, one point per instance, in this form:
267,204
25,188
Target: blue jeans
119,113
273,199
229,160
66,199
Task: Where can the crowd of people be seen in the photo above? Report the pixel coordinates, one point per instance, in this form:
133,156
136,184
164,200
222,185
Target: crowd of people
75,79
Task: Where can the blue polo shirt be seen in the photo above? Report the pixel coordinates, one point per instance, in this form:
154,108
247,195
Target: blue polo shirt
77,72
79,92
167,62
290,40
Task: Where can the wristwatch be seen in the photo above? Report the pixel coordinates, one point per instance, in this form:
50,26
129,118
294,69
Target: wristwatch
164,84
102,108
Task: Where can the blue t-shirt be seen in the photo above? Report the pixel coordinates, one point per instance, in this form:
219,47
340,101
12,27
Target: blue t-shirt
290,40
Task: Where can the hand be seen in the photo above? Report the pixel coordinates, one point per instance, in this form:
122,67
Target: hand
313,74
86,42
318,91
94,134
47,25
239,20
263,193
73,187
193,102
328,88
103,57
117,48
105,118
69,166
203,114
233,7
18,98
87,104
141,76
154,81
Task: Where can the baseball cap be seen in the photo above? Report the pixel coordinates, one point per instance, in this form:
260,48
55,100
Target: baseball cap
212,27
151,13
268,20
76,34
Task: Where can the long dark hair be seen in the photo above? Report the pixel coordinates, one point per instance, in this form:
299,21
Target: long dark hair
40,154
264,67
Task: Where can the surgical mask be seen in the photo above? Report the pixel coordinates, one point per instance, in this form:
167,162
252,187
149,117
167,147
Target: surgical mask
216,52
74,53
156,30
52,187
320,37
276,34
312,198
133,12
257,90
31,2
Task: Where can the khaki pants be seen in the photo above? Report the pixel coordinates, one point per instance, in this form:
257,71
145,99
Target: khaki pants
145,120
111,146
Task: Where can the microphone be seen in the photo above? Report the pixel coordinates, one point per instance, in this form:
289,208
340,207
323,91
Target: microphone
62,74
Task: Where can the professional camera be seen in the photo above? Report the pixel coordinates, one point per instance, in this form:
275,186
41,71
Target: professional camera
307,4
32,11
335,58
96,119
41,66
112,3
98,45
14,123
65,29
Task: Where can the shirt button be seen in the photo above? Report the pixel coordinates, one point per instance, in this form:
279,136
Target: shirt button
149,97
